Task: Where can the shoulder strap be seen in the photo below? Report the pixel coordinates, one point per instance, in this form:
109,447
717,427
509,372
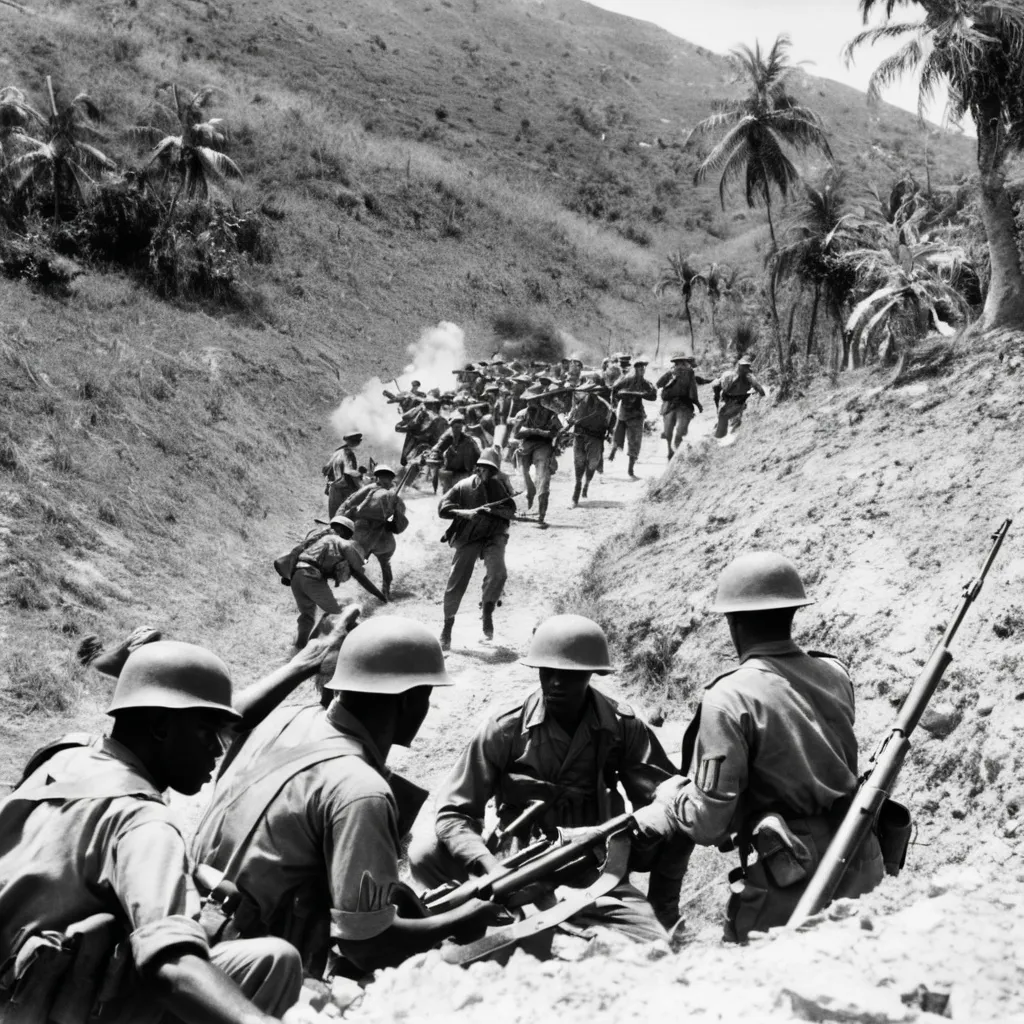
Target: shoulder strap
43,754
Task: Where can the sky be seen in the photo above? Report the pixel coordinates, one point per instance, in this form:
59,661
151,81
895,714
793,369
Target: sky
818,31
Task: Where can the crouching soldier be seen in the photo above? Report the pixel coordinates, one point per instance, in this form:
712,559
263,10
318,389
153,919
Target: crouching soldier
90,856
771,755
563,750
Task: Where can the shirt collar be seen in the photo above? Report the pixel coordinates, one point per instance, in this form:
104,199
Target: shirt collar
119,752
345,722
599,713
771,649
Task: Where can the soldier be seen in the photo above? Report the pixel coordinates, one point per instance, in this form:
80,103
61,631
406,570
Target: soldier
480,508
568,746
378,514
575,372
771,753
589,420
610,369
731,391
87,832
535,428
429,430
305,822
498,367
678,398
342,472
456,451
327,557
628,395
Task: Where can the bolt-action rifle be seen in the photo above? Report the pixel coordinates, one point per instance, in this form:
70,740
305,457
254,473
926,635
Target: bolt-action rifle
886,762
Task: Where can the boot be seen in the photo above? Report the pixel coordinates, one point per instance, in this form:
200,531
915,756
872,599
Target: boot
576,493
488,620
529,502
542,510
446,634
586,484
629,472
670,453
663,896
611,454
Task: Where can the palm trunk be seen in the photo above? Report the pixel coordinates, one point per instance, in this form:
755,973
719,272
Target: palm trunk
1004,304
689,320
814,320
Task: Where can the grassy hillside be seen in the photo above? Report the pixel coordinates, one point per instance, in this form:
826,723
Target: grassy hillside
413,162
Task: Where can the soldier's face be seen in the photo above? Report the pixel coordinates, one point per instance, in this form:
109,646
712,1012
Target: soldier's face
565,692
413,710
188,745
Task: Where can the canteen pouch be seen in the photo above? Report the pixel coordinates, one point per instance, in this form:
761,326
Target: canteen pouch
893,827
785,857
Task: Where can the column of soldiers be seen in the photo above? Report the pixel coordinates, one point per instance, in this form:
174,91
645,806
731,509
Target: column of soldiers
108,912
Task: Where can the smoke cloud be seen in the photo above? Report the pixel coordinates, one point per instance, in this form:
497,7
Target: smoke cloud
437,352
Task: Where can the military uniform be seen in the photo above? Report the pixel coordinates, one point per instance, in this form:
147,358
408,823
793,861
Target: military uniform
775,736
458,458
342,472
329,558
481,538
678,399
87,833
304,822
523,755
536,452
734,391
589,421
629,411
376,511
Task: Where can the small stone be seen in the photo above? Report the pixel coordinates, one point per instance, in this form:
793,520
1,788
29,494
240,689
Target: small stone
344,992
985,707
940,720
837,999
1011,827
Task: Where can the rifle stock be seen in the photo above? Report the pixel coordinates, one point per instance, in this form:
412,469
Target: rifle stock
887,760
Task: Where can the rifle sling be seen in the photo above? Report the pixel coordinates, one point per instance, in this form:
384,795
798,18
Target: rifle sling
615,866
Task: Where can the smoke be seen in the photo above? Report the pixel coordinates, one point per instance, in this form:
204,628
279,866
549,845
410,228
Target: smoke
438,351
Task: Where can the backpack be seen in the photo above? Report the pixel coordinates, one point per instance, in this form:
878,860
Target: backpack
285,564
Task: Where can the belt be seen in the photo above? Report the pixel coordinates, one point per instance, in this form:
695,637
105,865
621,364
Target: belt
309,567
599,434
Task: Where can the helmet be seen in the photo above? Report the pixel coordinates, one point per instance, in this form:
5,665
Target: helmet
641,361
354,438
623,357
414,384
498,359
759,581
343,521
456,417
569,642
490,458
679,358
744,362
389,654
172,674
382,468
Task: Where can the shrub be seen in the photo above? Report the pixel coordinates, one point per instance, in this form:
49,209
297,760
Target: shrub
31,258
34,688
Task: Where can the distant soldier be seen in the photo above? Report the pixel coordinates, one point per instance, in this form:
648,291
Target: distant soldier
731,391
678,398
628,395
498,367
771,755
328,558
378,514
611,370
575,371
342,472
536,428
456,451
480,508
589,419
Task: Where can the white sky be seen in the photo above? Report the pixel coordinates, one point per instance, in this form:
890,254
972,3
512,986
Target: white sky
818,31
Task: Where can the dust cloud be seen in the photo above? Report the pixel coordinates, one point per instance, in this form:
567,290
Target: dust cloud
434,356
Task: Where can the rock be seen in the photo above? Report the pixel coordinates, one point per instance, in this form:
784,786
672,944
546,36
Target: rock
940,720
993,851
834,998
985,707
344,992
1011,827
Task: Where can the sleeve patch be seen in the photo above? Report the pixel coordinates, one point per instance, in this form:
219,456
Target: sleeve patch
708,775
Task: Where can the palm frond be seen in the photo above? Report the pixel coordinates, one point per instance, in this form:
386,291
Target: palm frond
216,164
95,155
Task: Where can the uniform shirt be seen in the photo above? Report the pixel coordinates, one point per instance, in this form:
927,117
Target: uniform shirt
369,509
535,417
62,860
611,374
434,430
524,754
735,386
631,407
332,557
590,416
458,456
323,860
473,492
777,732
341,459
679,389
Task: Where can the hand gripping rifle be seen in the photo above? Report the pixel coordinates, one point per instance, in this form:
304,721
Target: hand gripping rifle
545,862
886,761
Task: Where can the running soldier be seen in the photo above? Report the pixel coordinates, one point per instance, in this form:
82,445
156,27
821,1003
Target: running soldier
678,398
589,420
535,428
342,472
378,514
455,452
731,392
628,396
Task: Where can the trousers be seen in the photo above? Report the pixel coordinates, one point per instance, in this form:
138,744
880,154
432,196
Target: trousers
629,433
538,459
338,491
730,416
624,910
586,453
676,424
311,591
464,558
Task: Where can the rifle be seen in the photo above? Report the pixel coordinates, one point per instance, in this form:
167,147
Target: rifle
539,862
870,798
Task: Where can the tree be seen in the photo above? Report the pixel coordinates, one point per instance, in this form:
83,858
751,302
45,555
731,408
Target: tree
718,281
975,48
762,127
195,154
62,153
824,226
683,276
16,114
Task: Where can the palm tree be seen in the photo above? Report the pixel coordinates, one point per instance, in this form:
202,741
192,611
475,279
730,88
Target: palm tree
681,275
16,114
824,226
196,153
763,126
976,48
62,153
718,281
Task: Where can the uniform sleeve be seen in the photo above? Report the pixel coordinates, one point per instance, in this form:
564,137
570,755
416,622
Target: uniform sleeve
703,807
449,502
361,852
649,390
149,873
644,764
463,797
353,558
663,379
756,385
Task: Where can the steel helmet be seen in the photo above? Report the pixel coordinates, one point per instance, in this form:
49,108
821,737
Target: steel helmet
172,674
759,581
340,520
490,458
569,642
382,468
389,654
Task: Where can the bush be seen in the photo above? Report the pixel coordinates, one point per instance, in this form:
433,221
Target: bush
31,258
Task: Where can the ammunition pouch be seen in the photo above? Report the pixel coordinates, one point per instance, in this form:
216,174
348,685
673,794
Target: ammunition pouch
893,828
785,857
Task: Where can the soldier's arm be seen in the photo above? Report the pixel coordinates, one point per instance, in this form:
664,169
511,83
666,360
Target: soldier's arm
756,385
663,379
649,391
